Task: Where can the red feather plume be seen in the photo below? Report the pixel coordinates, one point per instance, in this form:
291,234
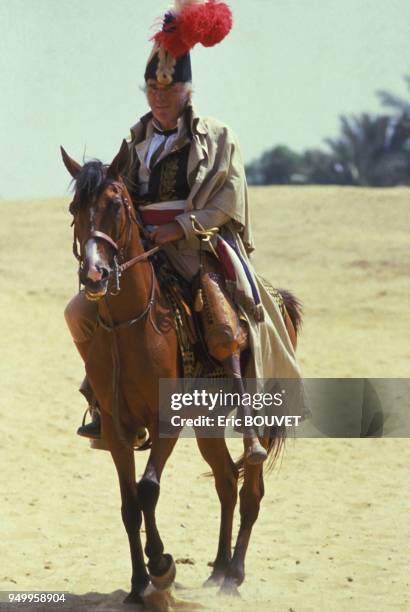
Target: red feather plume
172,42
207,24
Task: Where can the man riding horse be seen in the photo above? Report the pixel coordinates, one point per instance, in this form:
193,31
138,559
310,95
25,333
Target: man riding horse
186,177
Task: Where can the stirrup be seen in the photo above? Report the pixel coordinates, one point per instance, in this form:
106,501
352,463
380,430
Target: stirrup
91,430
142,441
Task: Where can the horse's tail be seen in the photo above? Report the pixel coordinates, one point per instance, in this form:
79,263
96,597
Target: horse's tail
276,445
293,307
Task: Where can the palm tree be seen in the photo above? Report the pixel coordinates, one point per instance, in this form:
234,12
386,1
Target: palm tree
391,100
396,160
358,147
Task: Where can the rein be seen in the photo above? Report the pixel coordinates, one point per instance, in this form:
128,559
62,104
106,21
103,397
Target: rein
130,322
128,264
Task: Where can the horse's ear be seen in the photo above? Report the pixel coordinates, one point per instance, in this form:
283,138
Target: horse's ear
120,162
72,166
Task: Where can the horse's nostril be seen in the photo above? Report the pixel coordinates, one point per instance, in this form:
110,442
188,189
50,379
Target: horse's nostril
104,273
95,273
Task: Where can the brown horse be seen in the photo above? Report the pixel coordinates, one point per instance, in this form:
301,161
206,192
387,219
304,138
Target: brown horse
134,346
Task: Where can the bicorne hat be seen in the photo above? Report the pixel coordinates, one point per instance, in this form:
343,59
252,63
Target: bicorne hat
188,23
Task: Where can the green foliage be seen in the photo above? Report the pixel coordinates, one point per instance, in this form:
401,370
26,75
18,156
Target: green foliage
369,151
274,167
359,146
402,107
320,168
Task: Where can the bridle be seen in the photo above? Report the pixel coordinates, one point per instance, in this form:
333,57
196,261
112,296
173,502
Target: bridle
119,254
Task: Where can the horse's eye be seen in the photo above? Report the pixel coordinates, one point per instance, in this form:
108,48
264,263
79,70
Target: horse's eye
114,188
115,205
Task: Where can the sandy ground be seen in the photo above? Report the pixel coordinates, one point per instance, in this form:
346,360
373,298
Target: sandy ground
334,529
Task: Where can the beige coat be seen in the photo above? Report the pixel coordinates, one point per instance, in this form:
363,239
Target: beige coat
219,197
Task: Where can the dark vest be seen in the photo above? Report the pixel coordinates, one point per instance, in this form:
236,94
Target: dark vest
168,179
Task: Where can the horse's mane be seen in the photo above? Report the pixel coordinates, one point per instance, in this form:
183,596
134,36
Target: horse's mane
88,182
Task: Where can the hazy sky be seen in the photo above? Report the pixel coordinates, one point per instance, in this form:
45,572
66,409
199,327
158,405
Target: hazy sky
70,72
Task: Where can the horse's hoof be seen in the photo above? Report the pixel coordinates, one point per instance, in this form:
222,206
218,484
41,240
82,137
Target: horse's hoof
135,597
160,601
214,580
167,578
229,587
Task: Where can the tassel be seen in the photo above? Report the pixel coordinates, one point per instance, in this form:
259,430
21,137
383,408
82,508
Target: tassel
199,301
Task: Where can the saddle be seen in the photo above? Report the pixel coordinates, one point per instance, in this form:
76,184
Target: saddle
208,326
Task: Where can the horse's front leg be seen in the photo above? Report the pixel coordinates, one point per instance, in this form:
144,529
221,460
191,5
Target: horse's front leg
130,510
161,566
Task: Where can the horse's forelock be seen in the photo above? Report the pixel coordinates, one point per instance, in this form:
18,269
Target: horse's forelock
89,181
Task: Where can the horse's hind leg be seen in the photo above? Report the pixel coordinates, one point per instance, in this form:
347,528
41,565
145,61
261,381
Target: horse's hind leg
130,510
161,566
250,496
215,453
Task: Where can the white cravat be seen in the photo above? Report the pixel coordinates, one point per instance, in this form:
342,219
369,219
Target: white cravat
154,140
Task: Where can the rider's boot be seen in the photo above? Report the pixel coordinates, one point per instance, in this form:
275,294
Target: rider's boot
93,429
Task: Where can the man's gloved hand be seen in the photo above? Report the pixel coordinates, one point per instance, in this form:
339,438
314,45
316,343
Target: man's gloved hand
169,232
